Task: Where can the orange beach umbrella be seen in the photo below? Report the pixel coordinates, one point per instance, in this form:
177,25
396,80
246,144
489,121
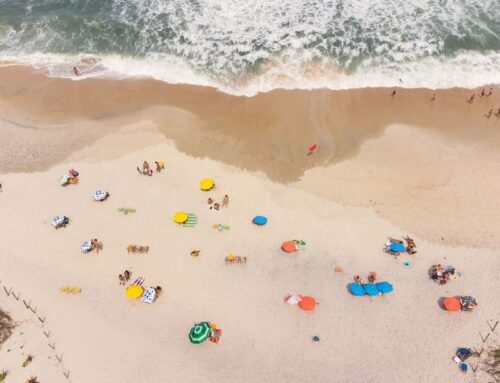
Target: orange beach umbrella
452,304
289,247
307,303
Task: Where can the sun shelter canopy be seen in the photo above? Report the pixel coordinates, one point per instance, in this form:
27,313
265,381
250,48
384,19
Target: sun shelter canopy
397,247
207,184
99,195
259,220
200,332
180,217
384,287
134,291
307,303
292,298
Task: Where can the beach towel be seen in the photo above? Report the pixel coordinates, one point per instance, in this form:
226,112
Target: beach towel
149,295
86,247
64,180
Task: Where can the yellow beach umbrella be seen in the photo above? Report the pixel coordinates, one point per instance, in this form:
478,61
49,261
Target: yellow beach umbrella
180,217
134,291
207,184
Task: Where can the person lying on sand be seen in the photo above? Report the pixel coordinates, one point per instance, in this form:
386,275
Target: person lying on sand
195,253
96,245
216,206
158,290
159,166
121,278
225,201
210,201
372,277
126,275
146,170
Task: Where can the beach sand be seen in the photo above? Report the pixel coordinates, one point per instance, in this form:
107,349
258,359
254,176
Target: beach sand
384,167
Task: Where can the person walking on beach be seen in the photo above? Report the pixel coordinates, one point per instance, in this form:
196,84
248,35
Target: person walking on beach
225,201
433,97
471,99
483,93
393,93
498,113
488,115
490,92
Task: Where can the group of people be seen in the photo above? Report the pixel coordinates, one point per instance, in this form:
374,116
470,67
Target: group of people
442,274
71,178
124,278
372,278
216,206
483,93
490,113
146,169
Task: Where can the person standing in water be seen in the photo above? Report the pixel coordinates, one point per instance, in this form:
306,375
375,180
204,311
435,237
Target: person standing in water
393,93
75,71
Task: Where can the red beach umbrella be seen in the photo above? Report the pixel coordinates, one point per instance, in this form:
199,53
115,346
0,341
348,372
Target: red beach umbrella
289,247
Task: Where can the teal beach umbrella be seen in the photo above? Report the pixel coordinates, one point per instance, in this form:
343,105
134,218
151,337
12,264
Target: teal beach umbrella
200,332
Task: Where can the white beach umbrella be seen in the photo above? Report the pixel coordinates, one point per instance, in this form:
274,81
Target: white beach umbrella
86,247
57,221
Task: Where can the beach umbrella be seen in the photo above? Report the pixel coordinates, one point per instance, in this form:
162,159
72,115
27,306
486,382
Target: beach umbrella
134,291
384,287
200,332
207,184
58,221
397,247
292,299
289,247
356,289
468,303
149,295
259,220
180,217
99,195
307,303
452,304
86,247
371,289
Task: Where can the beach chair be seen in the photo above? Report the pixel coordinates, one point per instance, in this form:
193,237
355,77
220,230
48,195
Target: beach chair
191,221
232,259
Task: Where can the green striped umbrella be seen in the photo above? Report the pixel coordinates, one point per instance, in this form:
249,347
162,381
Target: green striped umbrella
200,332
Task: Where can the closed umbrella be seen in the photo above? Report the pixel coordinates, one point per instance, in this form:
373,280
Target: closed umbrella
134,291
289,247
307,303
384,287
452,304
371,289
207,184
259,220
200,332
356,289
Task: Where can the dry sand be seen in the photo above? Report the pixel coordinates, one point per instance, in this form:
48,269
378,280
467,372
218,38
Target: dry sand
386,169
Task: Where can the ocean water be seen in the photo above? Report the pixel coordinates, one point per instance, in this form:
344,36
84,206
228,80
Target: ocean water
250,46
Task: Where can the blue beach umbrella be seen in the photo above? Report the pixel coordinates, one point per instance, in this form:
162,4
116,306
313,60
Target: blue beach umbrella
259,220
384,287
356,289
371,289
397,247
